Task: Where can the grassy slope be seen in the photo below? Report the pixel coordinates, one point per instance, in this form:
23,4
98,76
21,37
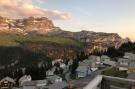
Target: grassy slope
115,72
12,40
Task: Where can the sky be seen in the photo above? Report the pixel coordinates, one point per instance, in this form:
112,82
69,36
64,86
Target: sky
111,16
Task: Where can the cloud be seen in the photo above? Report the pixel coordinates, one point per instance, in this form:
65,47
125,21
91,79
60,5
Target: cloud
24,8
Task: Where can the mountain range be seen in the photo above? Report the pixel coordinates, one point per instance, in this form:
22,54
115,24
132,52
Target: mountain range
42,26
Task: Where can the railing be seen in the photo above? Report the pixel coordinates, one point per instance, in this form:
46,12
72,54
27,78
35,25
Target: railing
106,82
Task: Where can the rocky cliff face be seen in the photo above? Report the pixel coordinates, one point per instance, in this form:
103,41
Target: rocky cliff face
95,41
91,40
53,51
41,25
100,41
28,25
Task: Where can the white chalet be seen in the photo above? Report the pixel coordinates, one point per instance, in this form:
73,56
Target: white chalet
127,62
83,71
123,63
25,78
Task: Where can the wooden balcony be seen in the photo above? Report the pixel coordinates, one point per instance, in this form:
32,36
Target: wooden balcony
109,82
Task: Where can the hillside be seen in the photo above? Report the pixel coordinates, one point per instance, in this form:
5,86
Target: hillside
15,40
41,30
94,41
33,48
33,41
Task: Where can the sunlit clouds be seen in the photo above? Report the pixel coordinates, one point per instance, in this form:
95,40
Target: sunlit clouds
23,8
112,16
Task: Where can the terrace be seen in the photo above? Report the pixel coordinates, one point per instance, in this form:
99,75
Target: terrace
109,82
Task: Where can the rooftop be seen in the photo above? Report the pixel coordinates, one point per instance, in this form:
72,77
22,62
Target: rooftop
8,79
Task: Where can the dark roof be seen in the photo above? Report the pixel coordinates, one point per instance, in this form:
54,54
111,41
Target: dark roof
131,76
30,83
58,85
132,65
34,83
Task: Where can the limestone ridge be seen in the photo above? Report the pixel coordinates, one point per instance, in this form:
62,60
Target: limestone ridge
100,41
96,41
41,25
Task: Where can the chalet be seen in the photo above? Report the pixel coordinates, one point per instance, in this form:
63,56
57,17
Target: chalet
7,82
92,62
127,62
105,60
123,63
25,78
83,71
34,84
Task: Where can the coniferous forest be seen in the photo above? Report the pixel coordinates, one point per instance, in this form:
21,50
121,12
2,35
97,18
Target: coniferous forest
14,60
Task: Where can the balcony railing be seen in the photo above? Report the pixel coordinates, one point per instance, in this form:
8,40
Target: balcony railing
109,82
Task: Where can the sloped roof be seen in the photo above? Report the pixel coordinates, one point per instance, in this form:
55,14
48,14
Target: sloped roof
34,83
58,85
30,83
105,57
132,65
25,77
131,76
53,77
8,79
51,70
82,68
123,60
41,81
